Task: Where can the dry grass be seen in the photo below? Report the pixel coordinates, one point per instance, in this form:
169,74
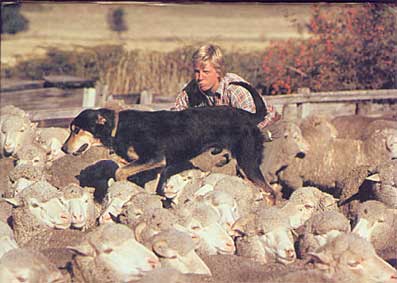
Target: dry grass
161,27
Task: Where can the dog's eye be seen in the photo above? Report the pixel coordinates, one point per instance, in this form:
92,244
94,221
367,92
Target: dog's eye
76,130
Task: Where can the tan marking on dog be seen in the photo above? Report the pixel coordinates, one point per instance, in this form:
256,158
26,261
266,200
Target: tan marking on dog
131,169
75,141
131,153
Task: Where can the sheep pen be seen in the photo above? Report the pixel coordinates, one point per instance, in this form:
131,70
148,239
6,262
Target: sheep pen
70,248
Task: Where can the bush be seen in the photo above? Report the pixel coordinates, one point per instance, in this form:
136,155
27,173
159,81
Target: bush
351,47
12,21
116,21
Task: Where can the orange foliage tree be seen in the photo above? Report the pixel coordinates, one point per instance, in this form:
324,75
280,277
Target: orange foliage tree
353,46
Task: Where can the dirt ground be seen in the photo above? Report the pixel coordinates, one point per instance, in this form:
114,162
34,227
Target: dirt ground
161,26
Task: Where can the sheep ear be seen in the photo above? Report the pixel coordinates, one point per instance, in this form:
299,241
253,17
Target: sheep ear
373,178
321,259
138,231
244,225
161,249
111,181
82,249
15,202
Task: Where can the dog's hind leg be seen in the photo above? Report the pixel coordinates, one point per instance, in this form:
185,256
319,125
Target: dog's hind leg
137,166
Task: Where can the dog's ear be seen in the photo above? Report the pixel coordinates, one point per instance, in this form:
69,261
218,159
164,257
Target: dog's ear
100,120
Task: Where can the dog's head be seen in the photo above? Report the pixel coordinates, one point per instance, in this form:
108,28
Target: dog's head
91,127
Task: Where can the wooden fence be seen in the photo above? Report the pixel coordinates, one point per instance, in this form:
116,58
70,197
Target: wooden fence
55,100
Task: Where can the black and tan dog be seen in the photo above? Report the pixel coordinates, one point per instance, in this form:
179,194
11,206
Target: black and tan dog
148,140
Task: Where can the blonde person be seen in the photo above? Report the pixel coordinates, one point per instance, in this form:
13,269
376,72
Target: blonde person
213,86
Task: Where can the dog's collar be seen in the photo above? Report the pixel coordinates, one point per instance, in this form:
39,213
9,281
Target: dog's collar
116,123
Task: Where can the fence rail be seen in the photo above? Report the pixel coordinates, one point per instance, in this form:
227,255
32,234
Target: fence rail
55,100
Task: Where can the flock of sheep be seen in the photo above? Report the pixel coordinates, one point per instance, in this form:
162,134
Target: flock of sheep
64,218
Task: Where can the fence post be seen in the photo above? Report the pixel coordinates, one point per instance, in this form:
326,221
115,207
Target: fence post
89,97
102,94
146,97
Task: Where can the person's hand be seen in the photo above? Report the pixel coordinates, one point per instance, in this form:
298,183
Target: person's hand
273,131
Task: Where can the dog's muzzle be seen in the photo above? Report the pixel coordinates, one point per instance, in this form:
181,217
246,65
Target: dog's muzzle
81,149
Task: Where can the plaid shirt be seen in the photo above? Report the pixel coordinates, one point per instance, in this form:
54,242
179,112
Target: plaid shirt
231,95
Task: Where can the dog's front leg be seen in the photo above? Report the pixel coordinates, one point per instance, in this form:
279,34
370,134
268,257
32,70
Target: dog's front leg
137,166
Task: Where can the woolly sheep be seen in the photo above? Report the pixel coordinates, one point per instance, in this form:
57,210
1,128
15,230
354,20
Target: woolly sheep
176,249
385,183
350,258
117,195
21,177
12,110
320,229
290,145
359,127
7,241
32,154
16,131
139,204
102,257
326,163
306,201
175,184
150,223
22,265
225,205
52,139
267,236
202,219
377,224
246,195
37,209
81,205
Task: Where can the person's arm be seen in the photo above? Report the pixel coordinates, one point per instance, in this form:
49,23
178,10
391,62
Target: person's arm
271,116
181,102
241,98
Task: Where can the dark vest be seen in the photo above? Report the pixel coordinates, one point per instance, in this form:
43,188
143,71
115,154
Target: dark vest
197,99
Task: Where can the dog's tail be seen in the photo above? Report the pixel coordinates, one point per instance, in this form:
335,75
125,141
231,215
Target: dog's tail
260,106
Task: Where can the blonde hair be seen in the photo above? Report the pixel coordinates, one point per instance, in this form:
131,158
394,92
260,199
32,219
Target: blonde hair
212,54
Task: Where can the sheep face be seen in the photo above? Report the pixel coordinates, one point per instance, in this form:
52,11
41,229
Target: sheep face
278,244
214,238
299,213
53,213
21,184
20,265
119,193
176,250
226,207
16,131
123,255
374,220
350,256
79,209
176,183
113,208
31,154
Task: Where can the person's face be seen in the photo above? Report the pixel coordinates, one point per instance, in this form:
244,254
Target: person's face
206,76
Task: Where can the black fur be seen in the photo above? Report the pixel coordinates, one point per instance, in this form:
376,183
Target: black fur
179,136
